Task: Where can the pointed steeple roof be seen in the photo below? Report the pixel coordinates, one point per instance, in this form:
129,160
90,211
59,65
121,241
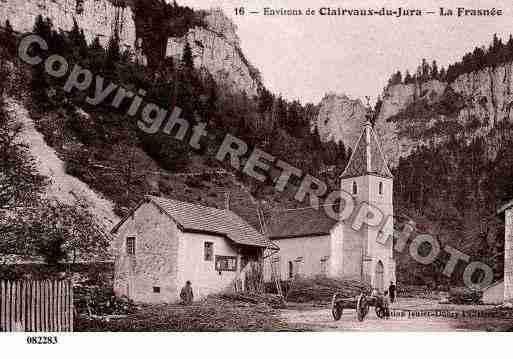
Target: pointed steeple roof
367,157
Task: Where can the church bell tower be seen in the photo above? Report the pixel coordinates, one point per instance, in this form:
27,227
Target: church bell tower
369,181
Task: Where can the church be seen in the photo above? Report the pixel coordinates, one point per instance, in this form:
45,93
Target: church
313,244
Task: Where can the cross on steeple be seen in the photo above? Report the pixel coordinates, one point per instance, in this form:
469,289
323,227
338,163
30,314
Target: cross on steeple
367,157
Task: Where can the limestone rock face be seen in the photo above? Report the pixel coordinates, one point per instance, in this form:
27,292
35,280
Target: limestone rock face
216,48
473,105
96,17
340,119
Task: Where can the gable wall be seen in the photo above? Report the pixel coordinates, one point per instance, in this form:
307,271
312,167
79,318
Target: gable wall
155,260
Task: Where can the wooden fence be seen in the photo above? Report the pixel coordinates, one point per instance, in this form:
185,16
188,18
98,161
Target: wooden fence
36,306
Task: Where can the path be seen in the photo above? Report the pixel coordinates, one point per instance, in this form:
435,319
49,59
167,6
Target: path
321,319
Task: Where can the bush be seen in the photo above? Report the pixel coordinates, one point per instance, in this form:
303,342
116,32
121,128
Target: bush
94,300
461,295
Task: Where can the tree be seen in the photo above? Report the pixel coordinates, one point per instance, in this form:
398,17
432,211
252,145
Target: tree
56,231
20,183
407,78
78,41
113,53
96,45
39,83
187,58
8,39
434,71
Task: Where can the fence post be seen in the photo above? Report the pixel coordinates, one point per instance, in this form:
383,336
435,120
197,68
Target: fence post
71,305
2,306
8,306
36,306
59,306
32,306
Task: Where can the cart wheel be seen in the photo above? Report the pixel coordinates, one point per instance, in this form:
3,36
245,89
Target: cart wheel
337,311
361,308
380,312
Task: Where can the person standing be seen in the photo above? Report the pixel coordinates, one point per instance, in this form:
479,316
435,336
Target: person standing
391,291
186,294
386,305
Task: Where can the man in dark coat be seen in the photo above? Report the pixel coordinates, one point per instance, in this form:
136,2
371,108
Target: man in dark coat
391,291
186,294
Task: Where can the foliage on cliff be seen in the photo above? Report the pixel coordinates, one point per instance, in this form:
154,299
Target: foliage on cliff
463,160
497,53
104,148
157,20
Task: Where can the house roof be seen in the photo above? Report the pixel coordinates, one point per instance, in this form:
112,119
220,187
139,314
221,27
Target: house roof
367,157
299,222
192,217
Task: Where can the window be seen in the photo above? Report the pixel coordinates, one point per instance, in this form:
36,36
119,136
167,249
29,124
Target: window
209,251
226,263
298,267
355,188
380,187
324,266
130,246
291,270
156,289
79,6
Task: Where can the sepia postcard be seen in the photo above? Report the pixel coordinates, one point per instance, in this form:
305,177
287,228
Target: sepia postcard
176,166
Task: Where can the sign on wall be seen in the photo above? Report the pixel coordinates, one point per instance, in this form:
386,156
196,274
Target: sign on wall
226,263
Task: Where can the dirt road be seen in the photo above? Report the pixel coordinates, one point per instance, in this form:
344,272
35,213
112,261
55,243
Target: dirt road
410,315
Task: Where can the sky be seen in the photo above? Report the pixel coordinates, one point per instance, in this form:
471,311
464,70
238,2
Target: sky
305,57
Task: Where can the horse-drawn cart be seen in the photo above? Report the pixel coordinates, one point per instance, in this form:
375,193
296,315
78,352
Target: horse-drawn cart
361,303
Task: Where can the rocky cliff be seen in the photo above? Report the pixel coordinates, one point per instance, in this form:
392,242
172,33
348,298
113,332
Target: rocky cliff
340,119
216,48
475,104
96,17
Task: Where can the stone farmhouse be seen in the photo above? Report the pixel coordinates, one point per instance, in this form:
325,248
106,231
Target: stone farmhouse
312,243
163,243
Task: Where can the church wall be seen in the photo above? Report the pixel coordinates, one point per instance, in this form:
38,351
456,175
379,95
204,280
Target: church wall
361,250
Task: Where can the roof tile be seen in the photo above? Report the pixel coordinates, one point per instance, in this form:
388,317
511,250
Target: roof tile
195,217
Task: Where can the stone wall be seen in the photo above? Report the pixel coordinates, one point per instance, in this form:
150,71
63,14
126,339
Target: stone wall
96,17
155,263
